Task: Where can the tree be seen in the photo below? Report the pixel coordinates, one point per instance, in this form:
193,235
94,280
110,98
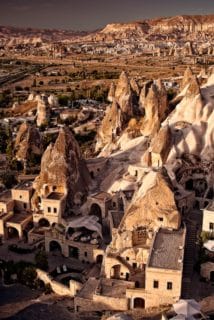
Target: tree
3,140
28,276
63,100
41,260
8,179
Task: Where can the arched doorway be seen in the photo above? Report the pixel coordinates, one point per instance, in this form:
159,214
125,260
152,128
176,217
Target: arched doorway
139,303
115,272
26,230
99,259
13,233
44,223
189,185
96,211
55,246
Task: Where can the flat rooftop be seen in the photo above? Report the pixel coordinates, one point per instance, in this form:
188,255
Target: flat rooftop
88,289
210,207
168,250
24,185
55,196
5,196
18,218
101,195
114,288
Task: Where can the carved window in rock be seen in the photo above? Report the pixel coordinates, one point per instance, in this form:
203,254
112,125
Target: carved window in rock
49,209
211,226
169,285
155,284
55,210
139,236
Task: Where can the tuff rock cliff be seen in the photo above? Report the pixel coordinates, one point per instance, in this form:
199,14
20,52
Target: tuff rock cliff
62,170
28,143
124,106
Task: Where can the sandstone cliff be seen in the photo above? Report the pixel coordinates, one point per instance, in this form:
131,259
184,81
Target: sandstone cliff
123,108
152,206
28,143
62,170
192,120
153,100
43,110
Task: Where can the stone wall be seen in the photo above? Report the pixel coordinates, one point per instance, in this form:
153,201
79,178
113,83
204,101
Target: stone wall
22,197
6,207
100,303
208,217
2,223
163,276
206,269
57,287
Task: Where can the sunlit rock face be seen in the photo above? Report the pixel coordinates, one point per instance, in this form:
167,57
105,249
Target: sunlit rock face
43,110
62,170
124,106
152,206
153,100
28,143
192,120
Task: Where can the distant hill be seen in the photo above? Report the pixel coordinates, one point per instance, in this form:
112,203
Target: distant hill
183,24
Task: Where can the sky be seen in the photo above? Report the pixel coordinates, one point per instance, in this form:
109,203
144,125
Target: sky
93,14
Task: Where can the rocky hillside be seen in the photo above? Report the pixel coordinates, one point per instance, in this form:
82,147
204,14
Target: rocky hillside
33,36
178,25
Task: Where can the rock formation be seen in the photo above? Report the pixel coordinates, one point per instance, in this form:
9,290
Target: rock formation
192,120
62,170
43,110
153,100
123,108
28,143
111,93
152,206
53,101
124,96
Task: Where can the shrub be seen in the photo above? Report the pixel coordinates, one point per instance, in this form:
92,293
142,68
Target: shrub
20,250
41,260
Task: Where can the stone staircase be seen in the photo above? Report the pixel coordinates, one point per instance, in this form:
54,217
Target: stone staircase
189,259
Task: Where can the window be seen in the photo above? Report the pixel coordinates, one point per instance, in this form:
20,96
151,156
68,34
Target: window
169,285
49,209
160,219
20,197
134,265
25,206
127,258
55,210
85,254
155,284
211,226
